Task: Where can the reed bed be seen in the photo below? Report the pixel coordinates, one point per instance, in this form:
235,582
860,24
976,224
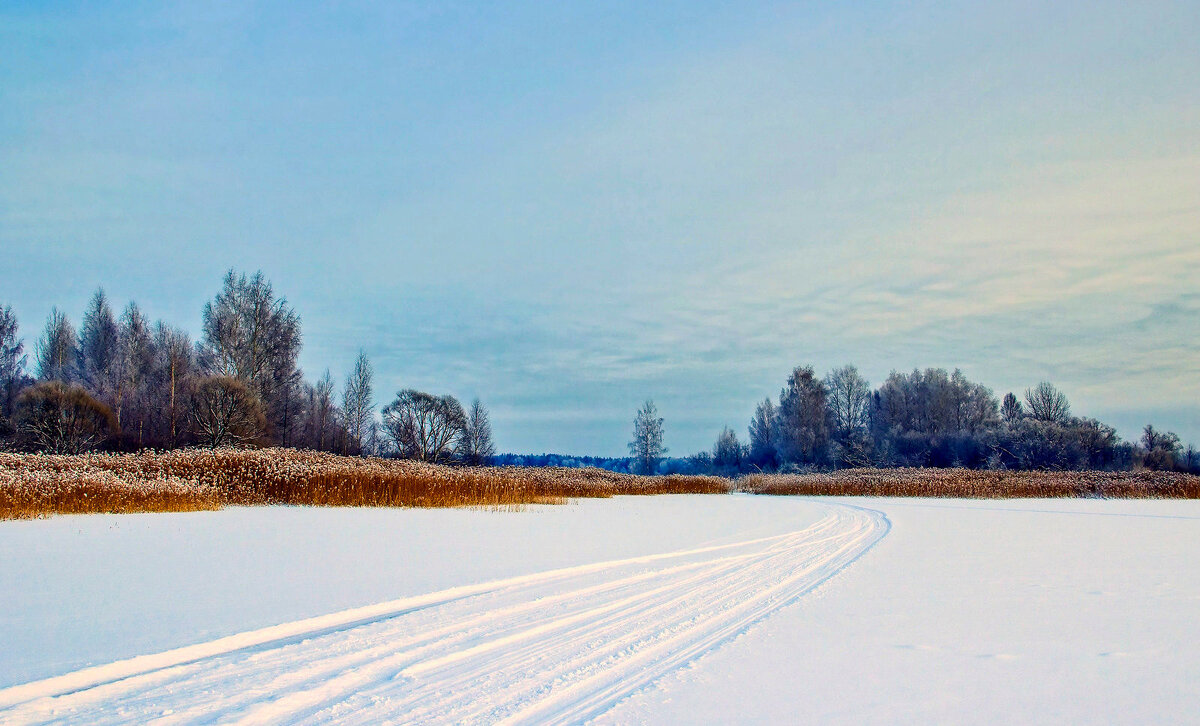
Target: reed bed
37,485
975,484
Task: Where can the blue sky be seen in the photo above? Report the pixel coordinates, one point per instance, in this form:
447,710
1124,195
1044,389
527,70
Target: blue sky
567,208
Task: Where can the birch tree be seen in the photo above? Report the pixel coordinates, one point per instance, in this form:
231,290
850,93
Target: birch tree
57,352
99,347
358,402
12,361
475,446
646,448
254,336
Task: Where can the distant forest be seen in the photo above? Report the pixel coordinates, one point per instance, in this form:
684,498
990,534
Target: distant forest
122,383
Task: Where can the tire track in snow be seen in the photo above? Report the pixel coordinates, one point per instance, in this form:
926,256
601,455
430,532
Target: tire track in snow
560,646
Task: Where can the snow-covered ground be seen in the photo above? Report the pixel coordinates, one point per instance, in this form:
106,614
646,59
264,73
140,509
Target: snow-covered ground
660,609
1016,612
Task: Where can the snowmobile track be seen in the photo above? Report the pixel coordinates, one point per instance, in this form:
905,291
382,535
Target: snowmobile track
561,646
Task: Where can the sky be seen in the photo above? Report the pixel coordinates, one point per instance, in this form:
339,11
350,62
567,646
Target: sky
568,208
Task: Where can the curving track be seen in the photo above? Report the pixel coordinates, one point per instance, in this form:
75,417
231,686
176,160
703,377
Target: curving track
554,647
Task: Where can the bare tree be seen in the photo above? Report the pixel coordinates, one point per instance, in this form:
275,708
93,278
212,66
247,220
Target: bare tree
1047,403
56,349
647,446
358,402
322,412
848,398
62,418
475,446
251,335
173,369
423,426
12,362
225,412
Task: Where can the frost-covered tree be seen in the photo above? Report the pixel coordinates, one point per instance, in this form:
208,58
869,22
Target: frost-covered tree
254,336
475,447
57,351
135,363
12,362
728,452
358,402
99,347
801,432
647,448
762,446
848,399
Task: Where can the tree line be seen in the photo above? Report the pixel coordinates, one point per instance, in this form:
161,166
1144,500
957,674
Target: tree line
122,383
926,418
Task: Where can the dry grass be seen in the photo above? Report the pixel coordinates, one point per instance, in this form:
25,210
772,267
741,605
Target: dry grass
967,483
35,485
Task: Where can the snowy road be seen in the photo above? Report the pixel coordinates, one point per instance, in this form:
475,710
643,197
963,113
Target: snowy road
559,646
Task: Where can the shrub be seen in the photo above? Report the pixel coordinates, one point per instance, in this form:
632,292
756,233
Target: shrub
62,419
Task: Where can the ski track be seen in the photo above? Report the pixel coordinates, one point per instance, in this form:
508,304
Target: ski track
562,646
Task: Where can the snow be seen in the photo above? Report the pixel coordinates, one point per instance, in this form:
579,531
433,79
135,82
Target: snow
710,609
1021,612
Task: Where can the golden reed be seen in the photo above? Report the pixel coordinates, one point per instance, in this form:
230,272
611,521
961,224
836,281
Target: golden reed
973,484
37,485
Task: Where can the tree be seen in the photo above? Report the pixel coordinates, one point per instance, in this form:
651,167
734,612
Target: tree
1162,449
99,347
12,363
423,426
253,336
848,399
225,412
135,364
173,368
762,446
322,413
1191,459
1011,410
358,402
62,418
801,426
972,407
475,446
728,451
1047,403
56,349
647,445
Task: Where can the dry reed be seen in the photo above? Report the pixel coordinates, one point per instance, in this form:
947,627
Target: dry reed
36,485
974,484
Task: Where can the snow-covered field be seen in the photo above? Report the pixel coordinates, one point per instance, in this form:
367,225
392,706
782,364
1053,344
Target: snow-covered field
658,609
